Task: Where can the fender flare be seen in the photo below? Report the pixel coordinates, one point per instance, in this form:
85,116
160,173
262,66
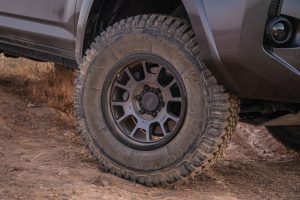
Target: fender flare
197,15
81,27
196,12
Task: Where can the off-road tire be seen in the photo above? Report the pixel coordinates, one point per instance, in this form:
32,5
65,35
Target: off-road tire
211,117
287,135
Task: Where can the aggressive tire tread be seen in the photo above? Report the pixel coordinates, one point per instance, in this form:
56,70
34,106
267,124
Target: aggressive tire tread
222,112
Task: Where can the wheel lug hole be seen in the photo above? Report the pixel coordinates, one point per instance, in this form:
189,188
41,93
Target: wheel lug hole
142,111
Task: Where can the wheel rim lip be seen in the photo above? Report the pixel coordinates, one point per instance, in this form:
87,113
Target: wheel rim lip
107,107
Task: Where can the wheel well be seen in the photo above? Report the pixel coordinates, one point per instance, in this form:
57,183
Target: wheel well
105,13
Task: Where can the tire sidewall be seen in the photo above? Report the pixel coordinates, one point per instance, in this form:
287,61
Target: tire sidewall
107,54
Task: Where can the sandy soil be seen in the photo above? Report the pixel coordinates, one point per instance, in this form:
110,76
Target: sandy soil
41,157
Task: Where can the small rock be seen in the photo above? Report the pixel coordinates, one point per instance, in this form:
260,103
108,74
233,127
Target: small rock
13,169
105,183
25,158
69,134
31,105
42,111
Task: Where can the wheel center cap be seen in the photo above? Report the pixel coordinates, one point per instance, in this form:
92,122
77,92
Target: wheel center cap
150,101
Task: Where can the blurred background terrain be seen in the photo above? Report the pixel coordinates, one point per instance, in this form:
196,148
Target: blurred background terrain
39,82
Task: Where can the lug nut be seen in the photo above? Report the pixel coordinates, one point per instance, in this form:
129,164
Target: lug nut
146,87
154,114
163,104
125,96
142,111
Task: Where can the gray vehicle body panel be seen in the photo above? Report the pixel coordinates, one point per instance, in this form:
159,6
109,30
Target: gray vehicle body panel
83,9
43,25
230,34
237,56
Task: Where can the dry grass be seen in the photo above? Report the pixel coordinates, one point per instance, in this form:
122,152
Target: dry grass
39,82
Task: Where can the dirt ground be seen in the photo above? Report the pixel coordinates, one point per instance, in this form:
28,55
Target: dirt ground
41,157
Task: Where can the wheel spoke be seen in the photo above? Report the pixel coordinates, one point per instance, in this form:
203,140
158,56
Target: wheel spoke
118,103
145,126
154,72
118,85
162,127
167,91
171,84
130,75
147,132
167,94
145,69
157,70
122,118
173,118
133,131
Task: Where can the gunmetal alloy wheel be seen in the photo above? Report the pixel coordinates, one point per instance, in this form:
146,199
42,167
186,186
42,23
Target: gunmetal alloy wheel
147,101
146,105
